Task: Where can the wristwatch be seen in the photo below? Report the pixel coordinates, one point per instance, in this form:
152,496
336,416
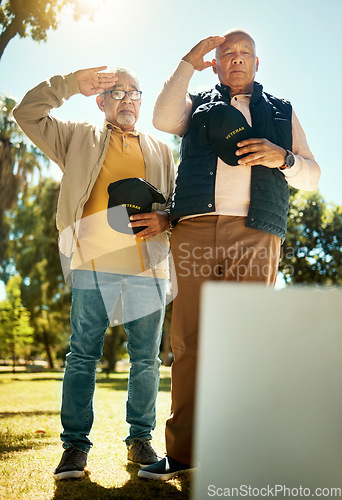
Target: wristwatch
288,160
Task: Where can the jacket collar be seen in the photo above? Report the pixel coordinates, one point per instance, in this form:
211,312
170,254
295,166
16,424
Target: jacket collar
256,95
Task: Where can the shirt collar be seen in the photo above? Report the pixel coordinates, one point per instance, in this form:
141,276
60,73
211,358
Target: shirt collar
110,126
242,97
256,95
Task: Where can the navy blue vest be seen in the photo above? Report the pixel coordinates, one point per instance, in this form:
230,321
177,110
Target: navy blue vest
195,183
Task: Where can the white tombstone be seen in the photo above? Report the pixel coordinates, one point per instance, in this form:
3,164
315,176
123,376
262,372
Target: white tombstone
269,393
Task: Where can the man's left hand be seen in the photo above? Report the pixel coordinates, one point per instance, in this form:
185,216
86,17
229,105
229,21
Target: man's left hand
262,152
156,223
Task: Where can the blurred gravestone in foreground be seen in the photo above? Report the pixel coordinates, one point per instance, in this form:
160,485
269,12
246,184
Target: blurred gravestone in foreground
269,402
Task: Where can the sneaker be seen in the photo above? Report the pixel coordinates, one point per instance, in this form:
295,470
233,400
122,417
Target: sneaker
141,452
72,464
164,469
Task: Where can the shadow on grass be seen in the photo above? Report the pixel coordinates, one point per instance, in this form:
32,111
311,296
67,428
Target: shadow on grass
9,414
135,488
10,441
38,379
120,384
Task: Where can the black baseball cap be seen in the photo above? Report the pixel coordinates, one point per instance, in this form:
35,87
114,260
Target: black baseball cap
225,126
127,197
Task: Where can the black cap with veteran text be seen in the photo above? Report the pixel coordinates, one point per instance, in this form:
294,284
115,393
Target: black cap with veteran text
225,127
127,197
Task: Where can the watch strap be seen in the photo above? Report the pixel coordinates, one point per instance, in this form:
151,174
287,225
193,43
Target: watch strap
288,160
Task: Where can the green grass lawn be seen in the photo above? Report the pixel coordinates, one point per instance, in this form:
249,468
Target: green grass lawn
30,447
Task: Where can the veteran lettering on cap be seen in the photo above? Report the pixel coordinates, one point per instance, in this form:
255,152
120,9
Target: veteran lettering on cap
128,197
222,126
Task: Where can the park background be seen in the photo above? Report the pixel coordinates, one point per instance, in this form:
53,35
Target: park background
299,48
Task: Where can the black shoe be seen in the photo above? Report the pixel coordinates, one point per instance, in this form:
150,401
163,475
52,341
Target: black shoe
164,469
72,464
141,452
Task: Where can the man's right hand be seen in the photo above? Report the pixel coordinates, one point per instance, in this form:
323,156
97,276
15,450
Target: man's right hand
92,82
197,53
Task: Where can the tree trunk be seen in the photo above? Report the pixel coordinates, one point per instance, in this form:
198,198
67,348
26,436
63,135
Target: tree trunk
111,349
46,342
2,246
13,358
166,349
167,358
7,35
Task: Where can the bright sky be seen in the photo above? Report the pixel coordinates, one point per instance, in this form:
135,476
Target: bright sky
298,44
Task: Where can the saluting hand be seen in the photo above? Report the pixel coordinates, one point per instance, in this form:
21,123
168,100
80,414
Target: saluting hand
92,82
197,53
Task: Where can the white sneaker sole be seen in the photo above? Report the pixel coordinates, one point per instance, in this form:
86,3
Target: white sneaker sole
73,474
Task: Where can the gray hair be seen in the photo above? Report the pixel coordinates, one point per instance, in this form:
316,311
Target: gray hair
121,70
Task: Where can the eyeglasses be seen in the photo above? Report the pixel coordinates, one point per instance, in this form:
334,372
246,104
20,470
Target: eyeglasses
118,95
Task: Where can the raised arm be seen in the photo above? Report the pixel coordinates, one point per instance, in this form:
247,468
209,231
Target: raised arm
172,111
51,135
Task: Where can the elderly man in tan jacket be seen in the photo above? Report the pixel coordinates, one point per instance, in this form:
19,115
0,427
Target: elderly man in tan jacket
106,266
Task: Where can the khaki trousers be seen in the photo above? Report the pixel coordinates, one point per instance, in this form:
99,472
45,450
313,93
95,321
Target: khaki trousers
207,248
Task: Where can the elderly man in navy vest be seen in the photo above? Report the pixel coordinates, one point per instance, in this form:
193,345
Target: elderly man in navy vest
241,150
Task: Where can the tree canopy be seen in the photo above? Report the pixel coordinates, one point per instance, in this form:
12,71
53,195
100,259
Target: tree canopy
32,250
32,18
15,328
18,160
312,252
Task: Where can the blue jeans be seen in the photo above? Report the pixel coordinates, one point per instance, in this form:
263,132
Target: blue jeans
94,296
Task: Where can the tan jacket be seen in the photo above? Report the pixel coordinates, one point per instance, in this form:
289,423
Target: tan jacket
79,149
